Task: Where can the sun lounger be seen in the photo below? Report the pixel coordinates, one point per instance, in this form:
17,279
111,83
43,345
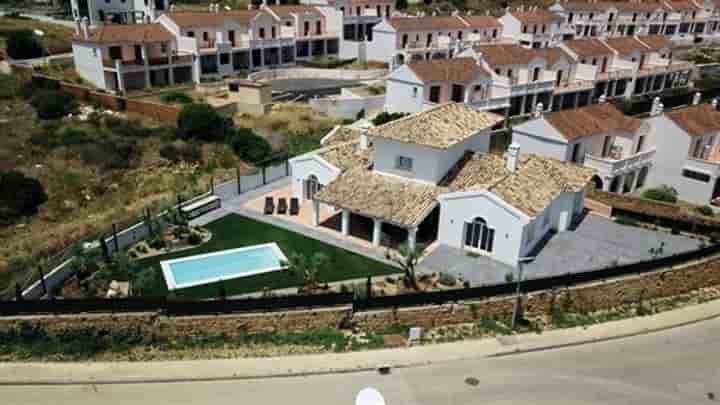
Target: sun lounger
282,206
269,206
294,206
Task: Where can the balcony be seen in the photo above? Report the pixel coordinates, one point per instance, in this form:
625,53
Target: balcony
666,68
609,167
491,103
614,74
571,86
139,64
539,86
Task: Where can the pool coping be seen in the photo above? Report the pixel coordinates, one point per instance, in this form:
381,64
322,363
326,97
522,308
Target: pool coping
173,285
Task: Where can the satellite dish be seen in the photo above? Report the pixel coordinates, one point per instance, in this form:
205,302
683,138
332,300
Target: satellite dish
369,396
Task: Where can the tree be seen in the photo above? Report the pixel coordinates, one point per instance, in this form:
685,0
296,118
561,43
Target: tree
401,4
22,44
249,146
53,104
19,196
308,266
200,121
407,258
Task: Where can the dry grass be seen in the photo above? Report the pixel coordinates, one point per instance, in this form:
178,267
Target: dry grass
287,117
58,37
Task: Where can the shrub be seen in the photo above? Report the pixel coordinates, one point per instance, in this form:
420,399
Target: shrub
249,146
705,210
195,238
200,121
19,196
447,279
509,277
127,128
663,193
385,117
113,153
53,104
22,44
9,86
181,151
623,220
176,97
157,243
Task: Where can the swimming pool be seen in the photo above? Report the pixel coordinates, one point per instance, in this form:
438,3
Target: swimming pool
223,265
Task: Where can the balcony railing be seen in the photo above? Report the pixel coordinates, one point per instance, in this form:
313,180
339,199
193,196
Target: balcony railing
159,61
532,87
615,74
566,86
123,62
612,167
491,103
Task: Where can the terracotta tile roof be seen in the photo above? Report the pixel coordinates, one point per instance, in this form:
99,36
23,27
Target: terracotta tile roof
284,11
136,33
584,6
394,199
588,47
426,23
626,45
696,120
655,42
340,135
513,54
590,120
551,55
439,127
481,21
638,7
346,155
536,17
207,19
683,5
441,70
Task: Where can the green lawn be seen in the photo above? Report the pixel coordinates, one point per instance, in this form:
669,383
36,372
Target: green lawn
235,231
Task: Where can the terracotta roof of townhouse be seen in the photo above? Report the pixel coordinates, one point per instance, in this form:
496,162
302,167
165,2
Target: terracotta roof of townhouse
207,19
638,6
626,45
588,47
340,135
426,23
439,127
530,188
128,33
583,6
655,42
513,54
394,199
536,17
288,10
683,5
590,120
440,70
346,155
696,120
481,21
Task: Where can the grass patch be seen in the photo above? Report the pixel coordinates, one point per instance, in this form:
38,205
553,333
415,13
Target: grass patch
236,231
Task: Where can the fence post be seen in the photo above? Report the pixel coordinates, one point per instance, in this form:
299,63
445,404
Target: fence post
148,221
18,292
287,167
212,185
42,280
105,250
263,175
115,238
368,286
237,174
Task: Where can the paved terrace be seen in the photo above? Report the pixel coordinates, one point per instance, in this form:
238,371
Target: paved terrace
595,243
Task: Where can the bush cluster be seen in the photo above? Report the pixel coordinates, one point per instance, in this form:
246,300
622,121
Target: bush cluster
663,194
23,44
249,146
180,151
19,196
202,122
385,117
53,104
176,97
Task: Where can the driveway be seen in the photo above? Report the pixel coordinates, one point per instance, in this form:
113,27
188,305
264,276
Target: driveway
596,242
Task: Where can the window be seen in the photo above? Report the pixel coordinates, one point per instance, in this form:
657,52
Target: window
205,36
404,163
495,31
435,94
536,74
524,29
273,32
639,147
357,11
415,91
457,93
311,186
378,10
479,236
570,17
306,28
544,28
691,174
575,153
224,58
342,10
163,47
318,27
191,34
261,33
387,11
606,146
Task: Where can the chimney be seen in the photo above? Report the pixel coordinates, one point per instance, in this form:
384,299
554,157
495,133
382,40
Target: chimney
538,110
77,26
696,98
657,107
602,99
513,155
84,25
172,8
714,103
364,138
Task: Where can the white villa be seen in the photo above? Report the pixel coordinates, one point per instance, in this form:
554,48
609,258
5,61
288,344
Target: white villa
430,177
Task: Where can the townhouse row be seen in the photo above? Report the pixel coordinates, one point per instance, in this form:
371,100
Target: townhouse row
189,47
515,81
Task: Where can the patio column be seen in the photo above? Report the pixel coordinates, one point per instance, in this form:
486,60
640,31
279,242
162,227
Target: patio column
316,213
377,231
345,224
412,238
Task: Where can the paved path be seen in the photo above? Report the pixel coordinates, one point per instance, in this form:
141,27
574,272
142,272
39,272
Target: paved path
678,366
25,373
597,242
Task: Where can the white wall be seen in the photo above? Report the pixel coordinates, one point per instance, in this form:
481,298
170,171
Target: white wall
399,93
302,167
540,138
511,26
88,65
384,44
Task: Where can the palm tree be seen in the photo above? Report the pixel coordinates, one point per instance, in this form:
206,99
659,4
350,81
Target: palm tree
407,258
308,266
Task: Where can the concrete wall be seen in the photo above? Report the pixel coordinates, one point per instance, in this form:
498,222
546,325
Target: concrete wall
302,167
348,105
383,46
539,138
88,63
310,73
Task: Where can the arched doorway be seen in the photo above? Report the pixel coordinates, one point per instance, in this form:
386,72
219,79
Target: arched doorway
615,185
597,182
311,186
478,236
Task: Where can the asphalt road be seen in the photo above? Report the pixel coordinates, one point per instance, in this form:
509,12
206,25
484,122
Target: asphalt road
679,366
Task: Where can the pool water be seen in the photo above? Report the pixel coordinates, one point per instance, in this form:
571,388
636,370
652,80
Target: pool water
223,265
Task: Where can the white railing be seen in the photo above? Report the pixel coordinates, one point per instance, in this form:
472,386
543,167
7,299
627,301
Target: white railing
533,87
491,103
613,167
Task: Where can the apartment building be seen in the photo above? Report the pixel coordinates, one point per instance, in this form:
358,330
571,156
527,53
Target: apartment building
532,29
215,44
100,12
402,39
430,177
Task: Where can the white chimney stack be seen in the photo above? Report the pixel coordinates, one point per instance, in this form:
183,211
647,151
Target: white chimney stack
364,138
696,98
657,107
513,155
538,110
603,98
714,103
77,26
84,25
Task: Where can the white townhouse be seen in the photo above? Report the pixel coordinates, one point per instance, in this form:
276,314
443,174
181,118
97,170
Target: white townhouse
532,29
430,178
99,12
400,40
600,137
687,156
582,19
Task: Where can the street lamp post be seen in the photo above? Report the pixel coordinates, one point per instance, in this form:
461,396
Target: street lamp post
516,306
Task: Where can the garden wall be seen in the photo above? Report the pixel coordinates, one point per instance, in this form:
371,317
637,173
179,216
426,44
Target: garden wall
348,105
160,112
